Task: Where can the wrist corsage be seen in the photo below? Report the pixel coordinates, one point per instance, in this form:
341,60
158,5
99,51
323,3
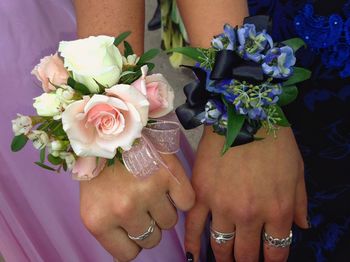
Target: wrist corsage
243,79
99,106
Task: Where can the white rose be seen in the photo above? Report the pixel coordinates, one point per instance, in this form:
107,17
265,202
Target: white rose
47,105
40,139
93,58
21,125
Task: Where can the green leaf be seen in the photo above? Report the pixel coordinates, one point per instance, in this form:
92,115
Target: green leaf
18,142
283,119
42,155
299,75
191,52
289,94
149,55
45,166
234,126
54,160
120,38
127,49
101,87
110,162
295,43
78,86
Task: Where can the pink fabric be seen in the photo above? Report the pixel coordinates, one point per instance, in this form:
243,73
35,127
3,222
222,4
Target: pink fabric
39,210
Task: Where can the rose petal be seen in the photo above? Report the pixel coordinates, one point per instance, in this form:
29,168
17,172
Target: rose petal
133,96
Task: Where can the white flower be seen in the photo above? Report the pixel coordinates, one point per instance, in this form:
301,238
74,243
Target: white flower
40,139
48,104
69,158
131,60
21,125
56,147
65,95
93,58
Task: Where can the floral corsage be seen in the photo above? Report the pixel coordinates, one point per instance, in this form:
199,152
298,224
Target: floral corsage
243,79
99,106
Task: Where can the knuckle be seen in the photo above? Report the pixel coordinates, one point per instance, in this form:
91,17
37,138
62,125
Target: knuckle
171,222
281,210
92,220
124,208
247,213
221,205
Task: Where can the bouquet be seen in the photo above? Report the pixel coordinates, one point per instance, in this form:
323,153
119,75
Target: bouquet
243,79
99,106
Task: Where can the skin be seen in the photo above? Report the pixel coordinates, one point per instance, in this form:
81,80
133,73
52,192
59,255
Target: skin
116,203
255,187
252,187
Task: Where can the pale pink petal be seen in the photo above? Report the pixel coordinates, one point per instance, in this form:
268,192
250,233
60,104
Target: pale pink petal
87,168
131,95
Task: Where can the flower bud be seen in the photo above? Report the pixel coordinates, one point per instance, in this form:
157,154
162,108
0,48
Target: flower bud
40,139
21,125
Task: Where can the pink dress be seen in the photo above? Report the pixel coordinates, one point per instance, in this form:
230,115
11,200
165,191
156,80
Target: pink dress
39,210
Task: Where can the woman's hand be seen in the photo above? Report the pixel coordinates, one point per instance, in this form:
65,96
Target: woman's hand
116,203
252,188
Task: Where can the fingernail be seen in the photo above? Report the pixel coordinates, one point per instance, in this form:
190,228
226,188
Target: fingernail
189,257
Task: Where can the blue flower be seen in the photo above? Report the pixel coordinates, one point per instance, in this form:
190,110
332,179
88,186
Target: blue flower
279,62
257,113
252,44
226,40
214,109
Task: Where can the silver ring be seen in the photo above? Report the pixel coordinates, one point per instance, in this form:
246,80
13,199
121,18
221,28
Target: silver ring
145,235
220,237
278,242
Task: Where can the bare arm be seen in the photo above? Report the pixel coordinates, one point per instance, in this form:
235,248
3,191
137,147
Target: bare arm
112,17
110,204
255,187
205,18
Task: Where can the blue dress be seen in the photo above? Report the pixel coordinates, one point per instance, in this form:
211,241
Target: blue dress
321,119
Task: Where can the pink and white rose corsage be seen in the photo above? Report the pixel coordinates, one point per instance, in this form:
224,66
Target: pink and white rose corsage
99,106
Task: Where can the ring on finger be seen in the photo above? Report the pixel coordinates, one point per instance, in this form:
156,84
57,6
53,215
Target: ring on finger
146,234
278,242
221,237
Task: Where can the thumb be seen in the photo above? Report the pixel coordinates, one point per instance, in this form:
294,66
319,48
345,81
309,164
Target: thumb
195,223
300,214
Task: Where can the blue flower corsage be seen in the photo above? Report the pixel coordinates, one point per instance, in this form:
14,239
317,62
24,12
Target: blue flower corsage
243,79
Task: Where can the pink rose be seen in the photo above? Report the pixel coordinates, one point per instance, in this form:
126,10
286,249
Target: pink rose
97,126
51,68
86,168
158,91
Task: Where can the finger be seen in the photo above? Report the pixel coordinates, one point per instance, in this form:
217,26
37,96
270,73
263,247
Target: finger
164,213
180,189
195,222
300,215
222,251
277,229
141,224
247,241
118,244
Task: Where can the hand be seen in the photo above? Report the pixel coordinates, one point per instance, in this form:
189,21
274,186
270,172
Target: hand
116,203
255,187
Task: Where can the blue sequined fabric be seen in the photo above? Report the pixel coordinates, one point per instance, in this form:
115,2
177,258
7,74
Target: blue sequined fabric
320,119
327,35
